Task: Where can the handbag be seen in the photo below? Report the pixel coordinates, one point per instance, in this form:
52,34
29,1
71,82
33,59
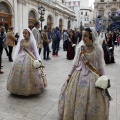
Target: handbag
43,75
40,45
102,82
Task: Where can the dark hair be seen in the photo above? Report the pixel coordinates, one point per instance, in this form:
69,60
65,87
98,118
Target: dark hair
28,32
45,27
36,24
90,33
11,28
109,34
57,28
3,29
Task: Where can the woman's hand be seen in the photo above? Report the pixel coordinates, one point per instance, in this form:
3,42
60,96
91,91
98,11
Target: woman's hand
69,39
68,79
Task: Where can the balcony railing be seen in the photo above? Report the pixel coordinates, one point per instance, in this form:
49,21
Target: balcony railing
48,1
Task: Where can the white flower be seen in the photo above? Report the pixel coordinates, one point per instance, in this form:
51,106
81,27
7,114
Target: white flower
102,82
110,48
73,45
36,64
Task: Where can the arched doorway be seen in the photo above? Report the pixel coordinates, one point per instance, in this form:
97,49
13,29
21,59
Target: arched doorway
49,22
32,19
5,15
60,25
69,24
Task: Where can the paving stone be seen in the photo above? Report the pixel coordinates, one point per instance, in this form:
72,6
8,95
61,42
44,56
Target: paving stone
44,106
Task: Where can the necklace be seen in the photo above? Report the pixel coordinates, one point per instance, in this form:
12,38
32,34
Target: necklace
89,45
27,39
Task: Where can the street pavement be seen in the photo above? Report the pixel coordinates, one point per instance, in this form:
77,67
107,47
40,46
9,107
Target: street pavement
44,106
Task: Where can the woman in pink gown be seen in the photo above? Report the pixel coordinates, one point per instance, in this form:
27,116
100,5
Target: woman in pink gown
79,98
23,78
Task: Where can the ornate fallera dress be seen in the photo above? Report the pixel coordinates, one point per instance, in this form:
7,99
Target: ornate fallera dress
24,79
80,99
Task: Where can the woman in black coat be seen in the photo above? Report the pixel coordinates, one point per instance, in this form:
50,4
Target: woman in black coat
71,42
114,38
108,49
1,48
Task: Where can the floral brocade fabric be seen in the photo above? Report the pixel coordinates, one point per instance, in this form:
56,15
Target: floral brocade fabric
24,79
80,99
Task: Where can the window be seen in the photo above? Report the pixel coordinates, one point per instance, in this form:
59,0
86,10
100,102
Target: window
81,13
32,14
101,12
76,9
77,3
114,0
74,3
87,18
4,8
101,0
85,13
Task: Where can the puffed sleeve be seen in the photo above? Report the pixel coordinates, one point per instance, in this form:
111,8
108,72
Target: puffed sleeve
100,60
35,50
77,56
76,60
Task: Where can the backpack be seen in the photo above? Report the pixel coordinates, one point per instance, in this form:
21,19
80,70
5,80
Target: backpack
54,36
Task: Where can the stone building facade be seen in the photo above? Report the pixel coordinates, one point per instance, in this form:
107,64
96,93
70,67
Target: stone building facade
103,8
75,6
86,16
23,13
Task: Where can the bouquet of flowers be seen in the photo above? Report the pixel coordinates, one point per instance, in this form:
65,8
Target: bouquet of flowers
73,45
110,48
37,64
102,82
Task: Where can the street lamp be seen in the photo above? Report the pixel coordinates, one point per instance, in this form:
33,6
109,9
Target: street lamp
93,21
41,11
69,18
81,26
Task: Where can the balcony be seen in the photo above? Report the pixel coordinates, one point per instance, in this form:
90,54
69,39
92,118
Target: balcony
50,2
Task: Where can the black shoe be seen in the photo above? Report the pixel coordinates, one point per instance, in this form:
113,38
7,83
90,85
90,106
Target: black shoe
1,72
45,59
48,58
10,60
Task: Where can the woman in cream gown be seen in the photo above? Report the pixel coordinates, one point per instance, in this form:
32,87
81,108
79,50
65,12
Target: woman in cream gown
23,78
79,98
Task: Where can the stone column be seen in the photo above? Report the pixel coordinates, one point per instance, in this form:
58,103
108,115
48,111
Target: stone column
15,16
65,21
25,13
55,24
21,15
